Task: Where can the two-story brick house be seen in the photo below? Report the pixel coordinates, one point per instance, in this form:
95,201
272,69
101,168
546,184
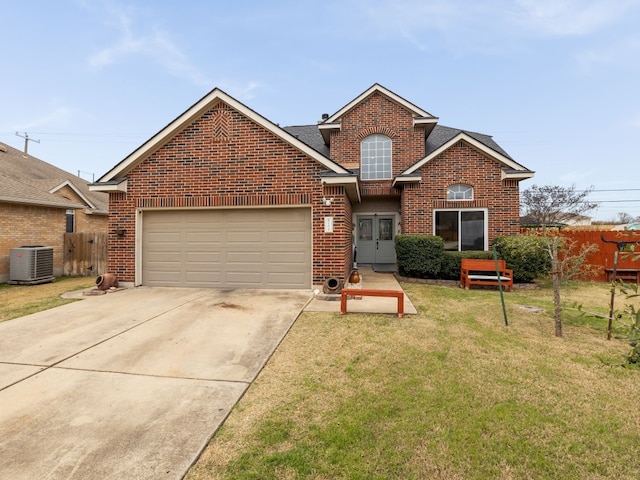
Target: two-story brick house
223,197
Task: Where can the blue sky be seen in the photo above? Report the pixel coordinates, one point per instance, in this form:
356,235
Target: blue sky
556,82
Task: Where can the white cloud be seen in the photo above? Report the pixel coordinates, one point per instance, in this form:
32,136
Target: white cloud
572,17
157,45
460,26
57,117
624,53
243,92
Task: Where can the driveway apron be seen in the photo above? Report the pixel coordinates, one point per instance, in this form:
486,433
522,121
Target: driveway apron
131,384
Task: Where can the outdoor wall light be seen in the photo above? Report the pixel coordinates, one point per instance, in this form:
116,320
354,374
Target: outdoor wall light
327,201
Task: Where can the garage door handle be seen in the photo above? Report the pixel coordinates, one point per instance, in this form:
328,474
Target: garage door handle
376,244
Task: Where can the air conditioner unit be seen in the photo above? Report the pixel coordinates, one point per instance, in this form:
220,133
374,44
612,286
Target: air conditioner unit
30,265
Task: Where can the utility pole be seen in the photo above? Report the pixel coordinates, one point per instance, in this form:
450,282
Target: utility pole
27,139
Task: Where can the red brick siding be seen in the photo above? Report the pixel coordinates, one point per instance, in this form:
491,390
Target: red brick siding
225,159
462,164
378,114
333,251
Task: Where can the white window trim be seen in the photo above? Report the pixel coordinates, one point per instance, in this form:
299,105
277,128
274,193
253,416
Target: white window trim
486,221
473,193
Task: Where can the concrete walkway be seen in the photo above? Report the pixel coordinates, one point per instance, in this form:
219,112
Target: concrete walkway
370,279
133,384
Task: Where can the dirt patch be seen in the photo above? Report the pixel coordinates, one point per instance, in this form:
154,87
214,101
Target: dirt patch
229,305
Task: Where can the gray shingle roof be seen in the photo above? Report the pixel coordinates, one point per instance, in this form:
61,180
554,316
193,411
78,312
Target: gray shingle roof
27,179
441,135
310,134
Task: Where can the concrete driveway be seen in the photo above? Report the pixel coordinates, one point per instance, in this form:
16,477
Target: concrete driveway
132,384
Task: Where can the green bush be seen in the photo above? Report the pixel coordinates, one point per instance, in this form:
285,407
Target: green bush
526,255
419,256
450,269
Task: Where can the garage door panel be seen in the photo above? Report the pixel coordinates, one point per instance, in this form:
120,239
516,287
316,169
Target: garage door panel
288,237
203,237
259,248
246,237
202,279
287,258
285,280
244,279
239,258
202,258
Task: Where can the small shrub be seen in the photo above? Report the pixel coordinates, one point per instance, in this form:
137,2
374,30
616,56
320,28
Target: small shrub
526,255
451,261
419,256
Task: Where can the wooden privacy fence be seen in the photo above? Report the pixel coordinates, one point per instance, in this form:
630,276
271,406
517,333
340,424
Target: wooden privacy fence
608,242
85,254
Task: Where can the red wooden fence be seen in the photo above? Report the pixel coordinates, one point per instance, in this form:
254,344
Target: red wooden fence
603,257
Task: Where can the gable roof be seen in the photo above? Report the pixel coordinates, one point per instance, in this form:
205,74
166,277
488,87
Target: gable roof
376,87
440,139
443,138
111,179
420,117
28,180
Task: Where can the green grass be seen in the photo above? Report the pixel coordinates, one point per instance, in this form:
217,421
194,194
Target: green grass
20,300
448,394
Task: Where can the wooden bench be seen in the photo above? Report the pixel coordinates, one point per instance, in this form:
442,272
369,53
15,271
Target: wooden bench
475,271
363,292
625,274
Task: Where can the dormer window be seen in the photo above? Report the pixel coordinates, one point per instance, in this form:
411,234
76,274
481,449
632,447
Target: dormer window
460,192
375,158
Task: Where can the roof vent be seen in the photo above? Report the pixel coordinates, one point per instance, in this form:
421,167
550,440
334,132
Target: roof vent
3,148
325,116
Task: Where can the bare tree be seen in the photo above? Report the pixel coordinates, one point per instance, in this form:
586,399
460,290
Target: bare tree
624,217
554,204
548,205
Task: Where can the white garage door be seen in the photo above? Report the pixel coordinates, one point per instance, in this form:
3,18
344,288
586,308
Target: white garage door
257,248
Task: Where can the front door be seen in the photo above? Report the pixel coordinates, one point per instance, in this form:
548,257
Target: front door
375,238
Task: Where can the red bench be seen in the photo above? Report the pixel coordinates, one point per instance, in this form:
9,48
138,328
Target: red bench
358,292
474,271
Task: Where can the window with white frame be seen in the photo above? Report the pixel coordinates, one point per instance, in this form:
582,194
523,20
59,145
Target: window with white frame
462,229
460,192
375,158
71,221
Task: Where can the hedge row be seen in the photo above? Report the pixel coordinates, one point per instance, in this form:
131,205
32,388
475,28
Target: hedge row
424,256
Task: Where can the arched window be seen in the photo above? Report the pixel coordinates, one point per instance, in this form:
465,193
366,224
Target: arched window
375,158
460,192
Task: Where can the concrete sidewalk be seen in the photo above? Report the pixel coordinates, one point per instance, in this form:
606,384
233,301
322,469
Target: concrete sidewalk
370,279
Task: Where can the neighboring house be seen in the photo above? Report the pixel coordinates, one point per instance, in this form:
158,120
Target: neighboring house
39,203
223,197
560,220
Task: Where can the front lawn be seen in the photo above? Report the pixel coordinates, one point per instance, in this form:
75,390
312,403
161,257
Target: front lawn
19,300
450,393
